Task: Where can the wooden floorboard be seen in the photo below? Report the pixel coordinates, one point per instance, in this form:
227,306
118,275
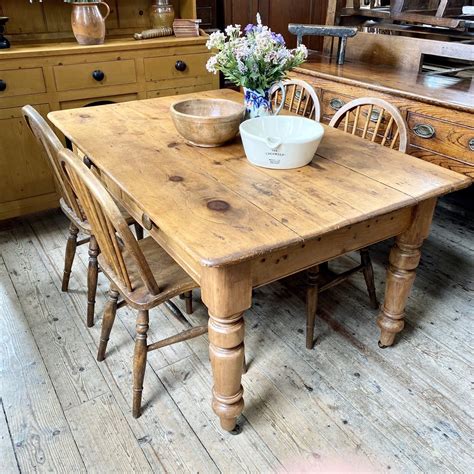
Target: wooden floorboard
346,403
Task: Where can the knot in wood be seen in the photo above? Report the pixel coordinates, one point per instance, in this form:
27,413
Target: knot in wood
176,179
218,205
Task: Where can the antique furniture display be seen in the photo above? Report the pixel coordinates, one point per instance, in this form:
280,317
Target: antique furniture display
423,69
46,68
138,270
71,208
436,13
300,99
380,122
233,227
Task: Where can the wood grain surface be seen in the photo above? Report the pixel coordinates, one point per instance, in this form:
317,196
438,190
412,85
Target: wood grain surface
349,181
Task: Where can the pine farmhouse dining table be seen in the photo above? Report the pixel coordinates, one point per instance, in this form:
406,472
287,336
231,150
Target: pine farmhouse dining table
234,227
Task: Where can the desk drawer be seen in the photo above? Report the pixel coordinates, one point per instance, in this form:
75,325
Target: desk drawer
443,137
332,102
100,74
176,67
21,82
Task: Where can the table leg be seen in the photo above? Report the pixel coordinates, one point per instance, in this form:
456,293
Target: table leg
227,292
404,259
226,349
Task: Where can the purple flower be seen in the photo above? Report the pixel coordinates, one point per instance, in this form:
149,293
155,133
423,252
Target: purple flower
249,28
278,38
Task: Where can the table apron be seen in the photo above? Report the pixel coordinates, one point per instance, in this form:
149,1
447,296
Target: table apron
282,263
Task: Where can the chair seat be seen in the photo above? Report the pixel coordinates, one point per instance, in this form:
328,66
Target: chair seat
172,280
83,225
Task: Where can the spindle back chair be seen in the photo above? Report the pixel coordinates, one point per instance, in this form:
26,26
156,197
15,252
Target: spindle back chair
301,98
139,270
380,122
51,144
373,119
71,207
110,228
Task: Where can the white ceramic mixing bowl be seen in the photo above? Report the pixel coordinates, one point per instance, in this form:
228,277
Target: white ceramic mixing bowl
281,142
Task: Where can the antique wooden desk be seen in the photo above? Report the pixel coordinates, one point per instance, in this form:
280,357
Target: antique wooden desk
234,227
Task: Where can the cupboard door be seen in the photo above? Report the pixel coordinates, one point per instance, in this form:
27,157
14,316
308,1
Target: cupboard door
24,170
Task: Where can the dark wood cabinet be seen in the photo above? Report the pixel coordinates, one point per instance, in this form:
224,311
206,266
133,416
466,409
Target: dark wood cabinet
277,14
207,11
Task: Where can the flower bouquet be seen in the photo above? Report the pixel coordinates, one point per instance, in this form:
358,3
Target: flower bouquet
255,59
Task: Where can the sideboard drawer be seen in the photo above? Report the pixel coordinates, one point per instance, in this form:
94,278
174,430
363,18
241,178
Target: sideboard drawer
332,102
100,74
176,67
442,137
21,82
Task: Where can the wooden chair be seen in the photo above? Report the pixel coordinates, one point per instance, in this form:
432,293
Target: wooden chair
380,122
71,208
301,98
139,270
373,119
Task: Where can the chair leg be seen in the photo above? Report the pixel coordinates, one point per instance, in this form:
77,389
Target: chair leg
138,231
188,297
92,274
69,256
369,277
312,276
139,361
107,323
244,364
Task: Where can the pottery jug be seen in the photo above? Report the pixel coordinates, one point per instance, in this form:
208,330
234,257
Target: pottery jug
259,104
88,24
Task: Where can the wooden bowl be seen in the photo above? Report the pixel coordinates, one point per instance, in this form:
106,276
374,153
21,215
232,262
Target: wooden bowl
207,122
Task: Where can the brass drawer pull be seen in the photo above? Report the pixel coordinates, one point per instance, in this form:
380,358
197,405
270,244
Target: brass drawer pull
98,75
336,104
470,144
3,85
374,116
424,130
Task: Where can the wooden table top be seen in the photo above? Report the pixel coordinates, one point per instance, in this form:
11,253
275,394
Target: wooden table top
217,207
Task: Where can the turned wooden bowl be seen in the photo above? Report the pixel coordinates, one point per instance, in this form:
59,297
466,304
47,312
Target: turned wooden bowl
207,122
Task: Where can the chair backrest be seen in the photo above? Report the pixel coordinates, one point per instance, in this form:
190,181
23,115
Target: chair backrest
108,225
374,119
52,146
301,98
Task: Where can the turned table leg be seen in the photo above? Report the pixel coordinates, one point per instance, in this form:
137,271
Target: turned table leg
227,292
404,259
226,349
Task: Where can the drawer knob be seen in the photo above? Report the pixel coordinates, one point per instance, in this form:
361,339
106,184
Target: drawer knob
336,103
98,75
470,144
424,130
180,66
3,85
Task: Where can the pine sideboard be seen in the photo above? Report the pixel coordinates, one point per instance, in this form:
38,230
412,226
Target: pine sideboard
49,70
